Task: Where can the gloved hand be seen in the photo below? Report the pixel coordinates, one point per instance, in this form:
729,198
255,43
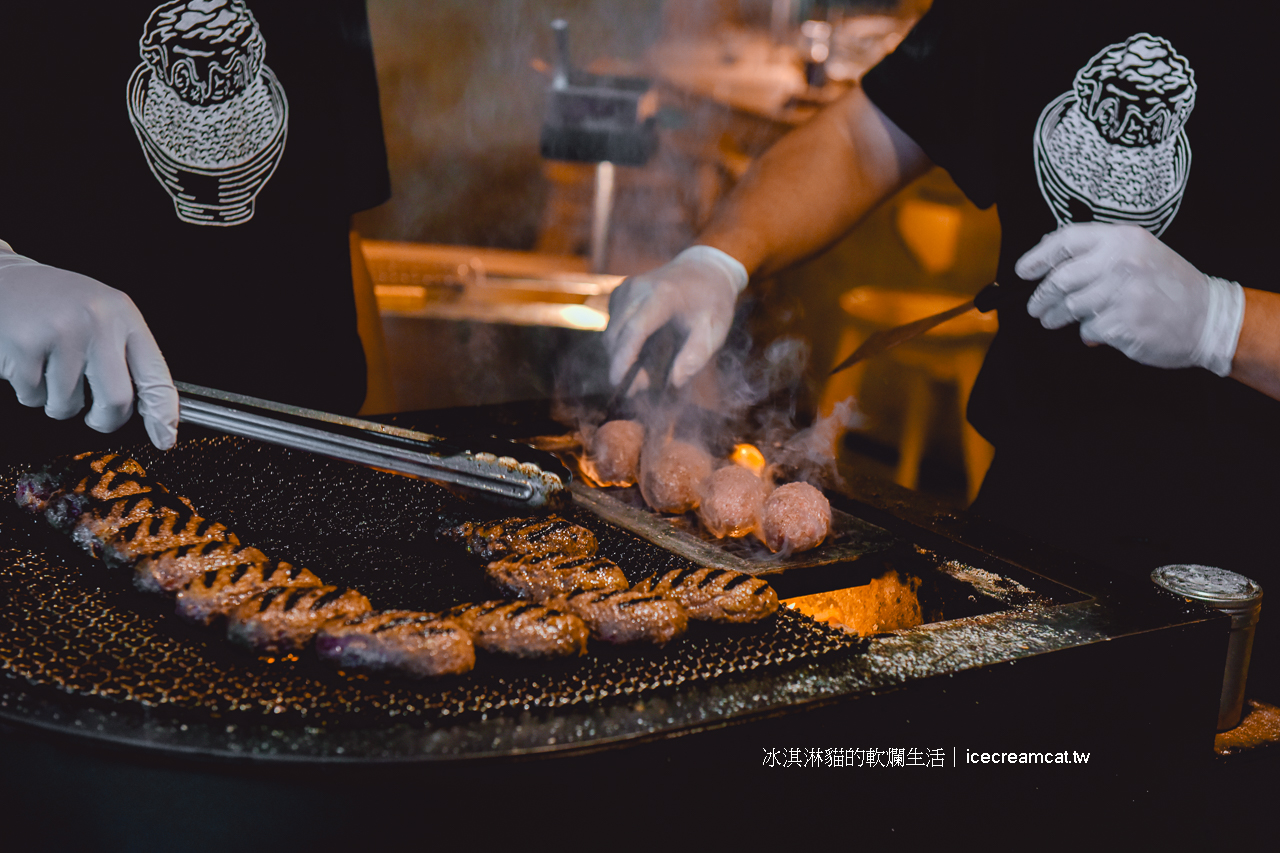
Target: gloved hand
1131,291
58,328
697,289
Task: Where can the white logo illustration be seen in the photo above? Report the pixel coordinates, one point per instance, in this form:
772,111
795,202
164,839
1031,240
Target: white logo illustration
210,116
1113,149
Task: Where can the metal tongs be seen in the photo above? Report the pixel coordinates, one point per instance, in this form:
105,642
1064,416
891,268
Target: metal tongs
656,357
505,471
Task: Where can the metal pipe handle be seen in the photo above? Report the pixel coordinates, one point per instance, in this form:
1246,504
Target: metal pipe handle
563,64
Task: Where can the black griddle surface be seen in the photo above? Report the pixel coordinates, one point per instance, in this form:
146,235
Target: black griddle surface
76,631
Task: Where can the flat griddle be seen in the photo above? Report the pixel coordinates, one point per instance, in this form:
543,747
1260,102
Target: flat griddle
1019,640
83,652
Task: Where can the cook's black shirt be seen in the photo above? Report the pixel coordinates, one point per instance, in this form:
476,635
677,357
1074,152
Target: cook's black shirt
1133,464
251,297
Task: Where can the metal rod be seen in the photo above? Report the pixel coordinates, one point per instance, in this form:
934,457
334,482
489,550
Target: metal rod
601,214
560,79
780,19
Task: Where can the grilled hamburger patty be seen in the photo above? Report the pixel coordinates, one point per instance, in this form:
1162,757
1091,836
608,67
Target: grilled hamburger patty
283,617
91,522
416,644
169,571
217,592
531,537
522,628
97,476
123,530
160,531
544,578
623,616
715,595
110,507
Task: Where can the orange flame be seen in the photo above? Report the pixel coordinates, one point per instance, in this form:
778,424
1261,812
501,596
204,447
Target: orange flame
749,457
591,476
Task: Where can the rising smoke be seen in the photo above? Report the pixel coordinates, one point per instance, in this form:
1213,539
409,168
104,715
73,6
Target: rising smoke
746,395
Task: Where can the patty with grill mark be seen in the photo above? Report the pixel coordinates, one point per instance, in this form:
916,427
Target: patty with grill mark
544,578
522,628
625,616
532,537
88,478
112,510
159,531
89,522
283,618
216,592
715,595
110,476
169,571
418,645
67,508
122,531
105,475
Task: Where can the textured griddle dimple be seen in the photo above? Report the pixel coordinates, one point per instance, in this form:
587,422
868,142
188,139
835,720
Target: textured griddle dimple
69,623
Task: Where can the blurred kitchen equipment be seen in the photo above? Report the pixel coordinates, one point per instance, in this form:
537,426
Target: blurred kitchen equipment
815,50
1235,595
781,19
485,285
598,118
497,322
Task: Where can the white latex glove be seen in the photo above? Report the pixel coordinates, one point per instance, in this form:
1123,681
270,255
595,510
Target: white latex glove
1130,291
697,289
59,328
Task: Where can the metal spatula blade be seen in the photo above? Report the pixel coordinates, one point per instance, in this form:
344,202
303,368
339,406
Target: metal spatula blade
887,339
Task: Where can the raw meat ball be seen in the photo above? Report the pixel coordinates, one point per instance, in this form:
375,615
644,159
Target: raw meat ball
796,517
615,452
670,477
732,498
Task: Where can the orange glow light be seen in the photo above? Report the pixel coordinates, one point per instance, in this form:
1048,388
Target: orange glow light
590,475
749,457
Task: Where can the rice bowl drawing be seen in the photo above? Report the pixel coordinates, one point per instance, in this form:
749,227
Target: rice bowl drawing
211,118
1113,149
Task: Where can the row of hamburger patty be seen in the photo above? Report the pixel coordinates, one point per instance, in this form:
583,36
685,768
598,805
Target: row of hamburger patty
560,592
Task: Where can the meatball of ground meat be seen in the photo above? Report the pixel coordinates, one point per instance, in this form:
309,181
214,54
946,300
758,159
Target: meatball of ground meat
615,452
796,517
670,477
732,498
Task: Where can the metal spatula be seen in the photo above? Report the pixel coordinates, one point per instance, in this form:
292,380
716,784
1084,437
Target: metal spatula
987,299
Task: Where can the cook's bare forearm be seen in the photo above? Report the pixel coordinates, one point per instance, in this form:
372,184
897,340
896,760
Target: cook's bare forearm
814,185
1257,358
